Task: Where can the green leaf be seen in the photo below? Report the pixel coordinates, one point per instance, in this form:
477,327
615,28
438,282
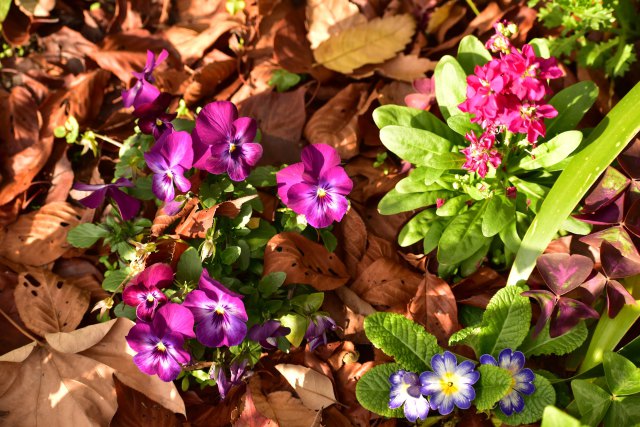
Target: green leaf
123,310
593,402
572,104
416,228
415,182
230,254
541,47
298,325
394,202
623,378
493,385
463,236
283,80
263,176
189,266
113,279
467,336
543,344
373,388
403,339
420,147
432,237
624,411
554,417
5,5
461,124
553,151
500,212
602,146
308,304
471,52
86,235
453,206
396,115
534,404
505,322
451,86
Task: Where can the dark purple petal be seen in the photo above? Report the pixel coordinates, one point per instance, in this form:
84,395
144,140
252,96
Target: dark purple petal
337,180
563,272
592,288
134,294
174,318
617,297
208,284
94,200
175,148
180,181
288,177
512,402
141,337
609,187
632,218
318,158
214,124
617,266
487,359
146,309
162,186
267,334
201,154
128,206
237,169
145,93
547,301
629,159
567,314
251,153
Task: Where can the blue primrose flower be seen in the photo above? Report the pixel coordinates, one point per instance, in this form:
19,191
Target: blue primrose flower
521,380
405,389
449,384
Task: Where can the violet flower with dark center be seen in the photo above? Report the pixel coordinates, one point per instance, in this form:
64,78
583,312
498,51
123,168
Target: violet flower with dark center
317,187
221,319
169,159
144,290
153,118
127,205
562,273
160,344
316,334
143,91
267,334
223,142
405,390
521,380
237,372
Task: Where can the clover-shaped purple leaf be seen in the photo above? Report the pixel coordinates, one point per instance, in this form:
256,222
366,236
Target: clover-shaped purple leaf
567,314
629,159
615,264
563,272
611,214
617,297
616,236
632,218
609,188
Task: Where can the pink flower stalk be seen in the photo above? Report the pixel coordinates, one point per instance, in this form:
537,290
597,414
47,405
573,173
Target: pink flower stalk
481,153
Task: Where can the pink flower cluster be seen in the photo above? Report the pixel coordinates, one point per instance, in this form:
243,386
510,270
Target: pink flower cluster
508,93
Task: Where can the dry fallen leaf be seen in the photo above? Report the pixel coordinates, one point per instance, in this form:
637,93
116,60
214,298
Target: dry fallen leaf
135,410
250,416
71,378
47,303
291,412
196,224
406,67
304,262
370,43
162,221
40,237
207,79
387,283
315,390
326,18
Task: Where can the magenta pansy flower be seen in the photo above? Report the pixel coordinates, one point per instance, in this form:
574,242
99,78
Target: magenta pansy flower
127,205
153,118
224,142
169,159
143,91
160,344
237,371
317,187
144,290
220,316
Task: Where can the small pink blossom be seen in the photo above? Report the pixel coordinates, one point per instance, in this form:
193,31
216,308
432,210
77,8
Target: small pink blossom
529,73
485,97
440,202
481,153
529,119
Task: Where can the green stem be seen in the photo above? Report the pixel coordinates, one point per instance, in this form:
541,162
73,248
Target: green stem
109,140
473,7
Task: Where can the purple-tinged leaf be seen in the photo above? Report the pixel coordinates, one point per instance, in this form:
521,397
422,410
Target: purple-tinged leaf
610,214
616,236
567,314
632,218
615,264
547,301
563,272
617,297
629,159
592,288
610,186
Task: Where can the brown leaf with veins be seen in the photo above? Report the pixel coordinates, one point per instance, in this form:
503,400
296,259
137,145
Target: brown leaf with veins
352,239
326,18
207,79
11,338
71,378
406,68
290,46
86,94
250,416
47,303
135,410
162,221
336,122
387,283
434,307
476,290
304,262
40,237
196,224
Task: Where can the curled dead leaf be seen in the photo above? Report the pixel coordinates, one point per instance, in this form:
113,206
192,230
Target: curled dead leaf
387,283
162,221
326,18
315,390
40,237
406,68
135,409
196,224
207,79
304,262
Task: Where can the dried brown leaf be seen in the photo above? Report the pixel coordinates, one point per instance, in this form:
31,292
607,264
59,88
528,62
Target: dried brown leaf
250,416
387,283
406,67
315,390
326,18
291,412
162,221
207,79
192,44
196,224
290,46
304,262
135,410
10,338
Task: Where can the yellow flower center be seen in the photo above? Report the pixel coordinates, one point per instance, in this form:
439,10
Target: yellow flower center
150,298
161,347
232,147
170,174
159,122
448,383
321,192
219,310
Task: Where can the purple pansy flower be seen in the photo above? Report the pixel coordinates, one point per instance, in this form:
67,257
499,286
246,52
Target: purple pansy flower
317,187
522,379
268,333
127,205
219,313
143,91
316,334
143,292
449,384
153,118
224,143
169,159
237,371
405,390
160,344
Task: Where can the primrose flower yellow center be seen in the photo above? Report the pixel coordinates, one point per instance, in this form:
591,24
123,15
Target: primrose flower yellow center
449,383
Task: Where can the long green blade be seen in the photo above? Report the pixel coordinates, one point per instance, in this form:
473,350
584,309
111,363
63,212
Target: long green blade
604,144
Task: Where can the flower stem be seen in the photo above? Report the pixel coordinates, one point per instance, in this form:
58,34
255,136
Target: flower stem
20,328
109,140
473,7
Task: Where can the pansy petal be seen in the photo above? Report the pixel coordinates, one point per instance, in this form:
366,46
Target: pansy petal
162,186
251,153
237,169
128,206
338,180
174,318
94,200
158,275
181,182
141,338
246,129
215,123
317,158
288,177
134,294
168,368
144,311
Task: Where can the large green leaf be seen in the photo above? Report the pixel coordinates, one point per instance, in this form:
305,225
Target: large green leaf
534,404
396,115
544,344
572,103
420,147
554,417
553,151
602,146
463,236
394,202
593,402
500,212
451,86
493,385
189,266
471,52
86,235
408,342
372,390
623,378
624,411
417,228
5,5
